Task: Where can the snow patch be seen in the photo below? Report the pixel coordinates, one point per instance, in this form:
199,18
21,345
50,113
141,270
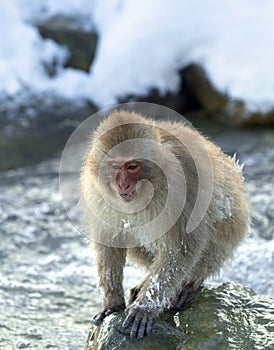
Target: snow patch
127,224
223,208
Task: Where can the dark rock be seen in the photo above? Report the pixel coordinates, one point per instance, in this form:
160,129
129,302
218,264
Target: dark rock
198,95
182,102
257,118
195,80
228,317
80,42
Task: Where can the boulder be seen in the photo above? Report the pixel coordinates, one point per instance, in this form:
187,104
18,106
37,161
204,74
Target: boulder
230,316
197,97
81,43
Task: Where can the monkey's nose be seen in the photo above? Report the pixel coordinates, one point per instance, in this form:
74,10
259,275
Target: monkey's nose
123,187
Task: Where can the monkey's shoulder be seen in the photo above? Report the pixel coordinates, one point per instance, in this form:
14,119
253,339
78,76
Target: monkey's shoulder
182,139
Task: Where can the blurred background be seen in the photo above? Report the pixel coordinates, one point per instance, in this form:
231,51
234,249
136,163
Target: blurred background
60,62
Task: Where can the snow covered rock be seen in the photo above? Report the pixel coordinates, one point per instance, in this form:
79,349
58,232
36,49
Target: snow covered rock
81,43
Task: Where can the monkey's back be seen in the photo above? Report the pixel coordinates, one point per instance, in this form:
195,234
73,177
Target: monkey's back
225,219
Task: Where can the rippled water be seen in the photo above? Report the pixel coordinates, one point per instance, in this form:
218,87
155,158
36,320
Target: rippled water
48,276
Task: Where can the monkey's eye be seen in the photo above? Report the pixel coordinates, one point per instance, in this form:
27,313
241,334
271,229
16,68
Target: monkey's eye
132,167
115,166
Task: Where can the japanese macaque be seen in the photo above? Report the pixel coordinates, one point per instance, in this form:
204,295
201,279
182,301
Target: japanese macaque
162,195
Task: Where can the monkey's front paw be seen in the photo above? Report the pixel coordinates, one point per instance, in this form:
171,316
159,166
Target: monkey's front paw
98,318
141,319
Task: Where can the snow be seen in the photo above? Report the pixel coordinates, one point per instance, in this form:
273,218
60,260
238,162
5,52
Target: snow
23,54
126,224
79,10
142,44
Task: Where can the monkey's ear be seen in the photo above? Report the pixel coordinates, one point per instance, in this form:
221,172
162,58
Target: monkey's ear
172,144
169,141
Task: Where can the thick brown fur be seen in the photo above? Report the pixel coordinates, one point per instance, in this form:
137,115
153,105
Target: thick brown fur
177,261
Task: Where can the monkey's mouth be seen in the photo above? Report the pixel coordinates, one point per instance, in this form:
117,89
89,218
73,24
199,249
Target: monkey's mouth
128,196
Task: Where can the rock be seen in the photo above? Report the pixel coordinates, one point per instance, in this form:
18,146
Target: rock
195,80
198,95
228,317
80,42
257,118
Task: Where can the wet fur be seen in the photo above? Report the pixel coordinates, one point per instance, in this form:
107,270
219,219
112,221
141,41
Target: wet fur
177,259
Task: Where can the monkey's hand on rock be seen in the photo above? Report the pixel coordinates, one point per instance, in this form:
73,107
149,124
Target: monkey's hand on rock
141,318
98,318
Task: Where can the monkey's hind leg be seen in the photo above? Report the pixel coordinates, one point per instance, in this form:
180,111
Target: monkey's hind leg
134,291
185,296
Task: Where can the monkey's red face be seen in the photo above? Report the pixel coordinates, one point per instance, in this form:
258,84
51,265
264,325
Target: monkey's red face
125,175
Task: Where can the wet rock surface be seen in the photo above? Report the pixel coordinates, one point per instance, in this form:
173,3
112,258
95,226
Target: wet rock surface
48,276
227,317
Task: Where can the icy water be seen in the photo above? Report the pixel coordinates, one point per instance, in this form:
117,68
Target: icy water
48,276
